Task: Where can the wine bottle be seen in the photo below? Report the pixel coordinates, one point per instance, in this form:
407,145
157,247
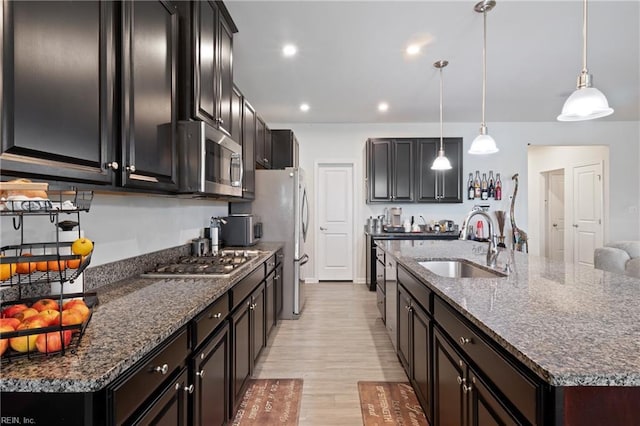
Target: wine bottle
498,190
471,191
476,185
484,187
492,187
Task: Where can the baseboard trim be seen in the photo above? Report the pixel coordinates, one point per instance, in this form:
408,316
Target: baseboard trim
360,281
311,280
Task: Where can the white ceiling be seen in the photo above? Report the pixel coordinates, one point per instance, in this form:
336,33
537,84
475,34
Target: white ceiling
351,57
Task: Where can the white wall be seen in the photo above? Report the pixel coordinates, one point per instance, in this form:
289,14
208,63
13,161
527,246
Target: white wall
346,142
124,226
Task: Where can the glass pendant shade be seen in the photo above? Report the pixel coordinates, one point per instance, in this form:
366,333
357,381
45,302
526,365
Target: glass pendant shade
441,162
585,103
483,144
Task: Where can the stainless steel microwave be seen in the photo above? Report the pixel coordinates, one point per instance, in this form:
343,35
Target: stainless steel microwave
210,162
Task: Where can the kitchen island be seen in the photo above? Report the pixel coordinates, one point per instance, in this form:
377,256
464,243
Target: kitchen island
133,319
572,332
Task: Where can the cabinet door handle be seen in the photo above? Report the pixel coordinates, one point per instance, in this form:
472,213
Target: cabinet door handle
460,380
113,165
188,389
277,277
466,388
219,120
131,168
218,315
164,369
266,160
253,306
271,263
465,340
200,373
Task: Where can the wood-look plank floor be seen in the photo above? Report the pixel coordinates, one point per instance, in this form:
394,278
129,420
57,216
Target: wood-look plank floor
339,340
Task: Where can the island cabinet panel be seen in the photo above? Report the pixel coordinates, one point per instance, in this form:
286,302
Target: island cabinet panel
448,372
598,405
58,115
169,408
404,319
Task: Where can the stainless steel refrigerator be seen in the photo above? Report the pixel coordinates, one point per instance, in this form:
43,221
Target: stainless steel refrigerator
282,204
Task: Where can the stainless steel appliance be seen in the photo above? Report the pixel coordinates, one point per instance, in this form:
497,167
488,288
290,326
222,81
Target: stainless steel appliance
282,203
224,264
241,230
210,161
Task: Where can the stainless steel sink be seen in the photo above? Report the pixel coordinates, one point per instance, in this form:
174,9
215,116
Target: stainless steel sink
459,269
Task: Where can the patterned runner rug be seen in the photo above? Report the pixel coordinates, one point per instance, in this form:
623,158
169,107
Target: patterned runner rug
270,402
390,403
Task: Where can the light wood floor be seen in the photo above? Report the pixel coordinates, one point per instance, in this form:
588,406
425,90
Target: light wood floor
339,340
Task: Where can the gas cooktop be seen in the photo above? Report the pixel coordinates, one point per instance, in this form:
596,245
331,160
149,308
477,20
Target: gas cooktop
224,264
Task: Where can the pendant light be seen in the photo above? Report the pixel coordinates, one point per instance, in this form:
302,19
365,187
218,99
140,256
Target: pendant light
441,162
587,102
484,143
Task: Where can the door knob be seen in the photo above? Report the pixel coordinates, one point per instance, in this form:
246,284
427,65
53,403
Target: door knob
323,229
575,226
555,225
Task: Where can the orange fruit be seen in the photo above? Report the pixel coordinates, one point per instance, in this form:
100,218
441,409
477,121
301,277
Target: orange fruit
42,266
56,265
7,270
74,263
26,267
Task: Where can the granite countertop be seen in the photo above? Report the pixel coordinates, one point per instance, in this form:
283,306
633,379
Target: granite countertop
132,318
573,325
412,235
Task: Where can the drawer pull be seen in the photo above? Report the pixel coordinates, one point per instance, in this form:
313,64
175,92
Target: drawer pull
218,315
460,380
271,263
465,340
162,370
277,277
253,306
466,388
188,389
200,373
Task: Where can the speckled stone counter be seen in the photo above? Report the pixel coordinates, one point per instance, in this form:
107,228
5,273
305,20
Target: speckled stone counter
570,324
132,318
445,235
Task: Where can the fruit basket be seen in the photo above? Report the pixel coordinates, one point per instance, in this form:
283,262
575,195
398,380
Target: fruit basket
43,327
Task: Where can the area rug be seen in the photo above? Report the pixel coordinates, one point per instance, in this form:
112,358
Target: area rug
268,402
390,403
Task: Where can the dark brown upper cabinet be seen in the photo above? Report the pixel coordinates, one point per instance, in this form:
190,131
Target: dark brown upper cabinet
439,186
210,40
263,144
248,150
149,103
284,149
57,96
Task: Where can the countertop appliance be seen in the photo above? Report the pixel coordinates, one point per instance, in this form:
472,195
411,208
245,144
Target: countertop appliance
241,230
210,161
224,264
282,203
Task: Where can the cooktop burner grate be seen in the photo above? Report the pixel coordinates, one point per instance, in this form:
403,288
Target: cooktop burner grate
225,263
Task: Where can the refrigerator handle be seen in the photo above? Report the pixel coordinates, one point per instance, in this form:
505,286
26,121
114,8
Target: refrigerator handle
305,209
304,259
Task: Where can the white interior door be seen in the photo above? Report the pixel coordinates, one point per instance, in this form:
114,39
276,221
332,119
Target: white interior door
555,224
335,222
587,212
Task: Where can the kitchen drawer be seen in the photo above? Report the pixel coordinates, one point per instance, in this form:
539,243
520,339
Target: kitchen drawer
520,390
420,292
245,287
209,319
271,263
129,394
381,300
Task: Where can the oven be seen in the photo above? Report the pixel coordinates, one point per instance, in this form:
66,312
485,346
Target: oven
210,162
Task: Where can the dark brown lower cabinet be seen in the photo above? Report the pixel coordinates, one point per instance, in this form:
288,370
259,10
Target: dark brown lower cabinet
404,317
210,377
242,354
460,395
258,311
170,406
278,286
270,305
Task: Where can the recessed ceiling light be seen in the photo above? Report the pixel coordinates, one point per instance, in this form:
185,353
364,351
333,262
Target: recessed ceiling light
413,49
289,50
304,107
383,106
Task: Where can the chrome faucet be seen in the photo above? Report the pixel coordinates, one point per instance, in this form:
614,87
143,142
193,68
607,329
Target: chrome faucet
492,252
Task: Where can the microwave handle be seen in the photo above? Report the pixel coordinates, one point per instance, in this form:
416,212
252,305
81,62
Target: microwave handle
236,157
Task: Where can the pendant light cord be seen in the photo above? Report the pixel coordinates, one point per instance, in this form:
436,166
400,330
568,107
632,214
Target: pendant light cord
484,67
441,131
584,38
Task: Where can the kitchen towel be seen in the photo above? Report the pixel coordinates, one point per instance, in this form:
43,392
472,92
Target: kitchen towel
270,402
390,403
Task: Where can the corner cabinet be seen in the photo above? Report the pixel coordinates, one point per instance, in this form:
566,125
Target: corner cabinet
149,99
390,170
439,186
57,116
399,170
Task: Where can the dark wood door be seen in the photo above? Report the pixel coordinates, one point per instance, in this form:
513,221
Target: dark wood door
211,381
224,83
258,312
444,186
149,72
57,115
236,115
261,156
169,408
485,408
241,351
284,149
248,150
427,189
404,317
379,177
421,357
267,147
205,34
452,185
403,170
270,304
448,373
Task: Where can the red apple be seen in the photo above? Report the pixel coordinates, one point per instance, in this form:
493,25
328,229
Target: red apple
35,321
51,342
73,302
22,315
84,311
27,343
12,322
4,343
10,311
44,304
71,317
51,316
